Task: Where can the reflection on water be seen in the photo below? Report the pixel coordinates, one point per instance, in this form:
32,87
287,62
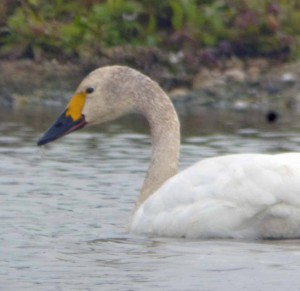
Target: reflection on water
64,210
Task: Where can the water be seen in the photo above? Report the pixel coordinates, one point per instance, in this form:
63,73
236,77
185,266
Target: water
64,210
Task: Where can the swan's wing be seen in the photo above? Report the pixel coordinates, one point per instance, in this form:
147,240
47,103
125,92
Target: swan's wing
246,195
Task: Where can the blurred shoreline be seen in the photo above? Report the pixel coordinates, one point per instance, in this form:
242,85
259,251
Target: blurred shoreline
234,83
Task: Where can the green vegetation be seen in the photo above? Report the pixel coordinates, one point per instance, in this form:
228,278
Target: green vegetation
84,28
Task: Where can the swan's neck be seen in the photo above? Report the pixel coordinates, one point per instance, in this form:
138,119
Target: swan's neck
165,136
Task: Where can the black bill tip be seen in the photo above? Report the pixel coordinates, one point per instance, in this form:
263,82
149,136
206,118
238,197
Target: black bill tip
62,126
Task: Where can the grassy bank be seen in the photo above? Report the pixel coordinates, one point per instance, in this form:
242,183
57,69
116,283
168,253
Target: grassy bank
234,47
202,31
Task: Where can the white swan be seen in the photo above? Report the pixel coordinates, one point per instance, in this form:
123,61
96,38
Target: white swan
234,196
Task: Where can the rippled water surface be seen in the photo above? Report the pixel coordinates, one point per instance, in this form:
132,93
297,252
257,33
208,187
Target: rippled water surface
64,210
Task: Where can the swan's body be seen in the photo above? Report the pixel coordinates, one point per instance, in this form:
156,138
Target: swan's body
234,196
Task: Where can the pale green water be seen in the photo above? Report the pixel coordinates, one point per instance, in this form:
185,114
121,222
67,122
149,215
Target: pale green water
64,210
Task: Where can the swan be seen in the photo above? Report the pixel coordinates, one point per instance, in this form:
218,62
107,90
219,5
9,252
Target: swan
241,196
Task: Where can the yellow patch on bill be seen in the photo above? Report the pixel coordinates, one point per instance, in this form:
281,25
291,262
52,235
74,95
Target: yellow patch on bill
75,106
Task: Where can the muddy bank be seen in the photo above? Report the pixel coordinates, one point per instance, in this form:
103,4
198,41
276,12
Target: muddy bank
255,83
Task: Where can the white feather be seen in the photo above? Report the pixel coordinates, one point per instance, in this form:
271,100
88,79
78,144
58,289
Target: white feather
234,196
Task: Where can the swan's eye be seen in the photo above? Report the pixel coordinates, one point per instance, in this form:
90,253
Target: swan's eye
89,90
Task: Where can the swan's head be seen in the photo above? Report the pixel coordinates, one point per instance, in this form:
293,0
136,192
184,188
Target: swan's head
103,95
